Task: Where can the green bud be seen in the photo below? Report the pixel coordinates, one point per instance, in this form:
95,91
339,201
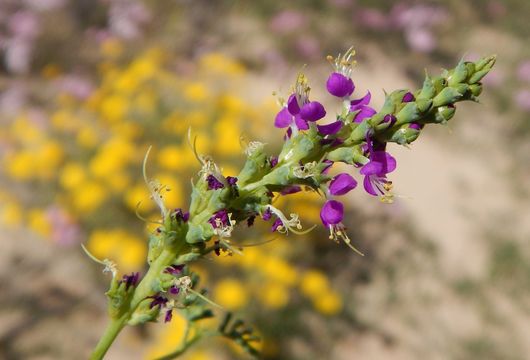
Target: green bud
459,74
444,114
439,84
476,89
461,88
359,133
408,114
427,91
424,105
405,135
485,63
446,96
348,155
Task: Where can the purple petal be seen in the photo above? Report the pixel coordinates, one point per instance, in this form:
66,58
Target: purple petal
342,184
415,126
283,118
364,113
368,186
372,168
386,160
312,111
390,118
301,124
292,189
330,129
232,180
169,315
292,105
332,213
358,103
408,97
340,85
273,161
277,223
328,166
266,215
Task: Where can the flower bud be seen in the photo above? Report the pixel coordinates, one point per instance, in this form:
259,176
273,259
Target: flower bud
406,134
476,89
444,113
446,96
459,74
408,114
342,184
427,91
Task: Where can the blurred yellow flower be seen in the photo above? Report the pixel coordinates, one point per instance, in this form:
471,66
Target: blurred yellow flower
196,92
88,196
87,137
38,222
126,249
72,175
228,134
280,270
114,108
274,295
314,283
168,338
328,303
10,213
230,293
173,193
20,165
139,194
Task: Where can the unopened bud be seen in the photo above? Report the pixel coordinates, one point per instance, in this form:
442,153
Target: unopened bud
446,96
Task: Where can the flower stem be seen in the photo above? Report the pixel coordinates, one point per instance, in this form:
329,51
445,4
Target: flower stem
144,289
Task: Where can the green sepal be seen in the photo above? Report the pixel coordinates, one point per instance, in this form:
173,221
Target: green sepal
459,74
408,114
348,155
405,135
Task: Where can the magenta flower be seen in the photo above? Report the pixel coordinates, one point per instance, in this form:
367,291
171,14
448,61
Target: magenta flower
380,164
290,115
219,219
339,85
342,184
130,280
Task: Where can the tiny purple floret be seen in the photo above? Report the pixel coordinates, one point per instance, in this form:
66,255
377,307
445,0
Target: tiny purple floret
408,97
214,183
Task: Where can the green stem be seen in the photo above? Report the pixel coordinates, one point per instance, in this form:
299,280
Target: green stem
142,291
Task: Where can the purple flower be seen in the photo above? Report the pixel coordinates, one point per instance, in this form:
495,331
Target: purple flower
174,269
408,97
158,300
174,290
330,129
312,111
231,180
130,280
284,119
380,164
361,107
179,215
213,183
342,184
415,126
339,85
219,219
291,189
169,315
332,213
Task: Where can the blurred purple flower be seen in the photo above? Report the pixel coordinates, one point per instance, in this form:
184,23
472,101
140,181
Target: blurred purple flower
287,21
308,47
523,71
522,99
76,86
372,19
421,40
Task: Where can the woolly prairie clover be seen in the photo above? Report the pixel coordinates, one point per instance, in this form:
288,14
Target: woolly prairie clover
358,137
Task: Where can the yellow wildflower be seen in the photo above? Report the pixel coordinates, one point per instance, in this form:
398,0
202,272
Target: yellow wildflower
230,293
274,295
72,175
314,283
38,222
88,196
328,303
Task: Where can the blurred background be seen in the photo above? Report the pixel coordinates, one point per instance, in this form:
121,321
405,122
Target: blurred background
86,86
